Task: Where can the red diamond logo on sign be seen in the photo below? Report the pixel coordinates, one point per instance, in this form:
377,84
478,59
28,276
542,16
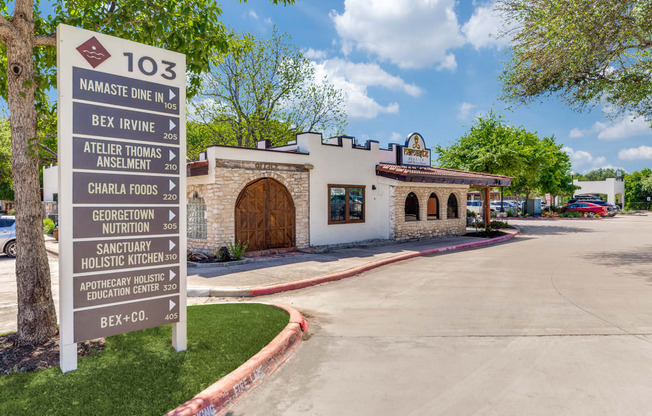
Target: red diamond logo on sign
94,52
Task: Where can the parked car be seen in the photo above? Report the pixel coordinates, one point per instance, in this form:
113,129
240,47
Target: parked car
586,209
8,235
477,207
612,209
507,205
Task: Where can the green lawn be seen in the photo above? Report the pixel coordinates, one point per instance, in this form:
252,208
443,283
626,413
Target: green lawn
140,373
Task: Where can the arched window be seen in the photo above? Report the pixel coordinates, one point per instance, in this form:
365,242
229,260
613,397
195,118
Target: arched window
452,210
433,207
411,207
196,217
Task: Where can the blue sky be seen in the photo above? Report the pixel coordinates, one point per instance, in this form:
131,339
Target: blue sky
431,66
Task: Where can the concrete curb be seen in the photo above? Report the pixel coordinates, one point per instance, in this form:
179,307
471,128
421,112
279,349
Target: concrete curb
218,264
300,284
218,397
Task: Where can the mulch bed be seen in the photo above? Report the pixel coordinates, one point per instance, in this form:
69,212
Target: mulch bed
485,234
19,358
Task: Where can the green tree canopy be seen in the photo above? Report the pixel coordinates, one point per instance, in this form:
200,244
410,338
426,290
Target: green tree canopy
492,146
601,174
267,90
638,186
589,52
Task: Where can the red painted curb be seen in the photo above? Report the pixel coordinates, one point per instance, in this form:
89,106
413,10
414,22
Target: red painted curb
223,393
300,284
556,218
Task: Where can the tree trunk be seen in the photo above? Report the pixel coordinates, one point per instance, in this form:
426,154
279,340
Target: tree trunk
37,320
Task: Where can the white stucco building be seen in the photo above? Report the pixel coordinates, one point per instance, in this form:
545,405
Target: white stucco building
313,192
614,188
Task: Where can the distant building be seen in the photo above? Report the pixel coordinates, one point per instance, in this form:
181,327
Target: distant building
614,188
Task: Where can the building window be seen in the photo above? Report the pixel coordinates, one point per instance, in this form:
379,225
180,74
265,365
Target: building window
345,204
411,207
452,210
433,207
196,217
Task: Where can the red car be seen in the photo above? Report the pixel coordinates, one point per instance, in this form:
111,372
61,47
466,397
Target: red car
587,209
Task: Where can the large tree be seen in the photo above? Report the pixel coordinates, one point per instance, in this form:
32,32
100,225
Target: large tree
493,146
489,146
27,41
638,187
587,51
267,90
601,174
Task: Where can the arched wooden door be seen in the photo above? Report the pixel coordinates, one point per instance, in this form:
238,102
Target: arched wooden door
264,215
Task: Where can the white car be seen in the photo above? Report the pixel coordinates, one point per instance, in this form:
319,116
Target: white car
507,205
476,206
8,235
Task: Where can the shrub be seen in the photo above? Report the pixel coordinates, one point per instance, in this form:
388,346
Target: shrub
48,226
496,225
549,214
237,249
470,213
510,213
572,214
11,212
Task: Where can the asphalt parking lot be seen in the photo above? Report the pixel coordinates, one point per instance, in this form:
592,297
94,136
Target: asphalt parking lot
558,321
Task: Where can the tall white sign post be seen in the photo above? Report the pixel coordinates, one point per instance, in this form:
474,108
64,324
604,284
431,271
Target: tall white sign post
122,189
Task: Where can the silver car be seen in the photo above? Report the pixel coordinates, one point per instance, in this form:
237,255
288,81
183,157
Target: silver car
8,235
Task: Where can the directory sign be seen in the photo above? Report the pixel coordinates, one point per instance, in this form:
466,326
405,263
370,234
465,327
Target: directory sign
122,188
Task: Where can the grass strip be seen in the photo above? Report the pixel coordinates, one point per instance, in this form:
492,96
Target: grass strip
140,373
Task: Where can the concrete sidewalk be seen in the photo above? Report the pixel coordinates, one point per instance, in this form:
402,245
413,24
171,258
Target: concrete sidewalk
291,270
284,271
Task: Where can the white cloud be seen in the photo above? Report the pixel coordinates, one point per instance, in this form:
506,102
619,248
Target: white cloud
483,28
465,110
396,137
636,153
255,16
355,78
315,54
628,126
579,157
408,33
584,162
576,133
598,161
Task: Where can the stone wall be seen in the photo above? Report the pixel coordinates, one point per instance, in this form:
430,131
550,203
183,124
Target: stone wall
231,177
404,230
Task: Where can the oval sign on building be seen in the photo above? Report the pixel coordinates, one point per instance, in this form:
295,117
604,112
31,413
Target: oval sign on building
415,152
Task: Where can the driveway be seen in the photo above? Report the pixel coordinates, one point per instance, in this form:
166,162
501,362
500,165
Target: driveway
8,305
556,322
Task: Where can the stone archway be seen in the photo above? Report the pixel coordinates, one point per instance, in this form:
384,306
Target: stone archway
265,216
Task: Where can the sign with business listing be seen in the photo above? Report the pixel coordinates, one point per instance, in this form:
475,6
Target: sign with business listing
122,189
